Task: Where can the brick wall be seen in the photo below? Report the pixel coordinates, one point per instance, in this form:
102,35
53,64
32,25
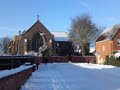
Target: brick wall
63,59
37,60
83,59
58,59
103,48
15,81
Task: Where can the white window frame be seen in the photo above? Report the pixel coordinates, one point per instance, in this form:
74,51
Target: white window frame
118,42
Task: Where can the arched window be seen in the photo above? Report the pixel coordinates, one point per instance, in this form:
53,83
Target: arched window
37,41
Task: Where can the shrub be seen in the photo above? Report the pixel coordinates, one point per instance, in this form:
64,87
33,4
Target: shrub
112,61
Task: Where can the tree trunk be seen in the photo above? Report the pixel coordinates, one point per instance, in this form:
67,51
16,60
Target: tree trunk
83,49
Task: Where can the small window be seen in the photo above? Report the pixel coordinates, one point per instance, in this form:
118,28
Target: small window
118,42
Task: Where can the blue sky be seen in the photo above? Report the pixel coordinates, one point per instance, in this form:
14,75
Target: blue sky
56,15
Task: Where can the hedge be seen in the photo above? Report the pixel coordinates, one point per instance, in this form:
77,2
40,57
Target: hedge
112,61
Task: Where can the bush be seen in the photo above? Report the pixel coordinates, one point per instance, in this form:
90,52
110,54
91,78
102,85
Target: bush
112,61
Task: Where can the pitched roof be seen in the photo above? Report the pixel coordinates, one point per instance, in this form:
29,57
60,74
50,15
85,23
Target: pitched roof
37,22
109,33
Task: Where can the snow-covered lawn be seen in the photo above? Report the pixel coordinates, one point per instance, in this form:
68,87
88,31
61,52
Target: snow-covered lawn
74,76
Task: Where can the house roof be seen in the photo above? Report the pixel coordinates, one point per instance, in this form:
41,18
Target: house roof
109,33
60,36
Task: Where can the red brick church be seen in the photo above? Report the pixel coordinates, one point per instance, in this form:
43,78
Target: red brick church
31,40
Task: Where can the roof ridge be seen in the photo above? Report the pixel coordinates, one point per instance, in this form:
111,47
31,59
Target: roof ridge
108,33
38,21
31,26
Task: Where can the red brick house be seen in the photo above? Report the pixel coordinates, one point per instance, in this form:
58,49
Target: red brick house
108,43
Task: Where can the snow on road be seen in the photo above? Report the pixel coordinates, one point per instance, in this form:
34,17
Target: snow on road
74,76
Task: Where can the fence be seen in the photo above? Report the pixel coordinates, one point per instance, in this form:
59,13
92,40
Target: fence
9,62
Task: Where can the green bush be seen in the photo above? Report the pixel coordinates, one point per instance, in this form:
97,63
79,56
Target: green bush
112,61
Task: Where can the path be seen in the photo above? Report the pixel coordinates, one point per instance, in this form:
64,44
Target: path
67,76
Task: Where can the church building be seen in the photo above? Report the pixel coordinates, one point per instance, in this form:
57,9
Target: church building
30,40
33,38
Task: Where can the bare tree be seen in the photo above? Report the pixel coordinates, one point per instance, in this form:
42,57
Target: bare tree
4,43
83,31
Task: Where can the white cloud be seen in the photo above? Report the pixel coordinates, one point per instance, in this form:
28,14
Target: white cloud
85,4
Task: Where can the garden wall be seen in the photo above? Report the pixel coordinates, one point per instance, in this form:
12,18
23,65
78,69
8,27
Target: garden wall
72,59
15,81
83,59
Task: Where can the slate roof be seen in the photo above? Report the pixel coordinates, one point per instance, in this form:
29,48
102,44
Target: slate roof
109,33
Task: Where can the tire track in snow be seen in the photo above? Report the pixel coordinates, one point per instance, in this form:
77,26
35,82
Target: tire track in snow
58,82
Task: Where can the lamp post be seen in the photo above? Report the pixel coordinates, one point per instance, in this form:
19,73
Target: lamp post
41,34
37,62
41,47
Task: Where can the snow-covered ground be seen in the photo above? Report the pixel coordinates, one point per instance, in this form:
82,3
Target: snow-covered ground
74,76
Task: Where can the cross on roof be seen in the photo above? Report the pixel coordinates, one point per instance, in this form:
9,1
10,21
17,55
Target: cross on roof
37,17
